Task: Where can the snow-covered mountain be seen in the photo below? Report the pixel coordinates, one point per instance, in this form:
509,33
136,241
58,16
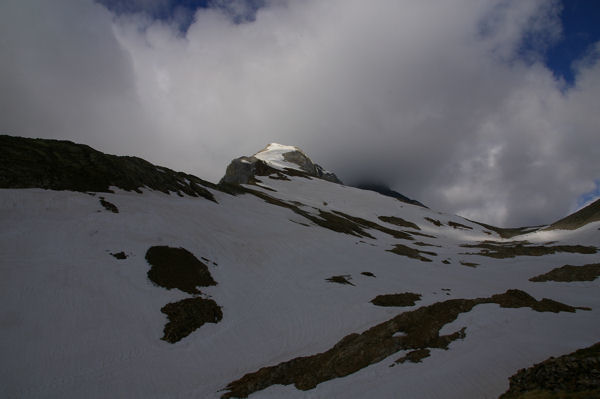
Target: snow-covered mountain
125,279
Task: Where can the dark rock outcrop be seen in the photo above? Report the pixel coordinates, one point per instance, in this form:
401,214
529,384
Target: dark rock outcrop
63,165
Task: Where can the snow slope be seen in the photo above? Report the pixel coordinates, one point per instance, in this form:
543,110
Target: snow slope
77,322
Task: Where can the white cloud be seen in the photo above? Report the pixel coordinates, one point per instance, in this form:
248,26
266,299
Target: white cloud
440,99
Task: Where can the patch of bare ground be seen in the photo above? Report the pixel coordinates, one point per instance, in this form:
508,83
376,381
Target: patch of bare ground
413,253
399,222
342,279
188,315
368,274
177,268
568,273
459,226
511,249
419,329
572,376
401,300
434,221
108,205
469,264
413,356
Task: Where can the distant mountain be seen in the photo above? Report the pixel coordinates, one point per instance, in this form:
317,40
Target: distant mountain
385,190
121,278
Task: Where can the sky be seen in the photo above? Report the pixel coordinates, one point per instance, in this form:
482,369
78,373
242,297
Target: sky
487,109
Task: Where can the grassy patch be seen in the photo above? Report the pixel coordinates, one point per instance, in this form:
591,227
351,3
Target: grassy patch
188,315
401,300
399,222
177,268
108,206
419,330
523,248
403,250
572,376
569,273
343,279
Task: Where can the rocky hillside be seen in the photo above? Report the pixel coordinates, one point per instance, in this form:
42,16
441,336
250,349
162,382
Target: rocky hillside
126,279
63,165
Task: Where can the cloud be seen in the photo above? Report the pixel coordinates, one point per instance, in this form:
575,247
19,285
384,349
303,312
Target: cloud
449,102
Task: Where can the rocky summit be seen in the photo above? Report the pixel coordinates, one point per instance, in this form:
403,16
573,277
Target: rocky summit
276,161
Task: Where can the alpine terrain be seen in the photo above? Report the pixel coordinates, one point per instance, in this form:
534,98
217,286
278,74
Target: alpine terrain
123,279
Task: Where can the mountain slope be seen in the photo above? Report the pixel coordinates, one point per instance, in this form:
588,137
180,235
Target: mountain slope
588,214
296,263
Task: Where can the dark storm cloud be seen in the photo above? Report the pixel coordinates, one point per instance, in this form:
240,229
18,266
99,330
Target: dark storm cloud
448,102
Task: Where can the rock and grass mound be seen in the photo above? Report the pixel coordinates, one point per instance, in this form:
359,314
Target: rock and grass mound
188,315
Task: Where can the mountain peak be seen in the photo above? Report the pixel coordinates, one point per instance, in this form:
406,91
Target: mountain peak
275,159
